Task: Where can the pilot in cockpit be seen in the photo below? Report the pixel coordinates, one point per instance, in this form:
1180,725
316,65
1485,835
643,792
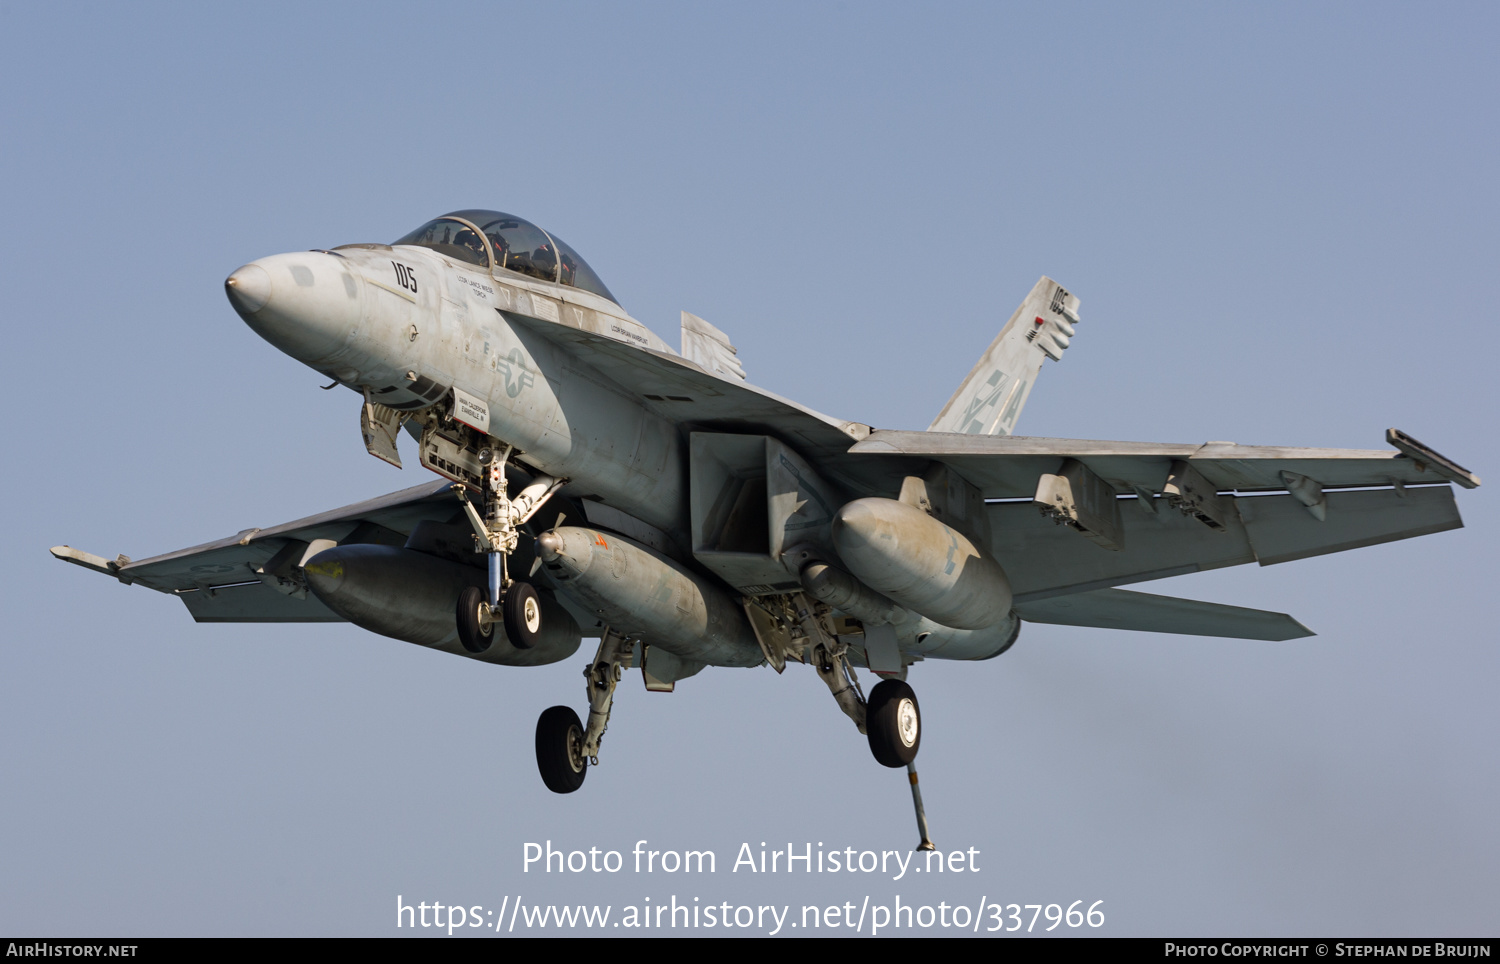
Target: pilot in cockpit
502,248
468,239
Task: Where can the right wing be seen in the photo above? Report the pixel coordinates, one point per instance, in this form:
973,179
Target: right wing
250,577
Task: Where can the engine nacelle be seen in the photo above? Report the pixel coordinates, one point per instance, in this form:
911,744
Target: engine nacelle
636,591
918,562
413,596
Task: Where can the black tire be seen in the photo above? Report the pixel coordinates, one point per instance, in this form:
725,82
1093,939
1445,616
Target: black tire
521,613
894,723
471,603
559,749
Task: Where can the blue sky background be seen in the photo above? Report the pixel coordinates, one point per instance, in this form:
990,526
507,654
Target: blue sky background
1281,221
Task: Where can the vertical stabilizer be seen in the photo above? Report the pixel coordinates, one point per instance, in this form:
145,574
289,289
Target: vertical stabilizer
989,401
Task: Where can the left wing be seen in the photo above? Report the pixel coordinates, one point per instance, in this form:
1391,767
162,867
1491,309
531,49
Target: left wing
1044,560
1239,504
249,577
1008,467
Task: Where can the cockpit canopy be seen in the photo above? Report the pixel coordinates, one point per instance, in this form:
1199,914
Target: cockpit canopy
486,238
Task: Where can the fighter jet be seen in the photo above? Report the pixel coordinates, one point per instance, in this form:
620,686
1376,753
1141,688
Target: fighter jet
596,483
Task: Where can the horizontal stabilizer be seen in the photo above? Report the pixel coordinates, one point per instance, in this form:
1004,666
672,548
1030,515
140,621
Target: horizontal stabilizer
1147,613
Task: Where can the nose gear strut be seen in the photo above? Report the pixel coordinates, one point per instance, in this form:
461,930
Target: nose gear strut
497,533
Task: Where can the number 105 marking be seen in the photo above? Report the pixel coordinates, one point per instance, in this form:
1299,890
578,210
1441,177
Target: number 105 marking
405,277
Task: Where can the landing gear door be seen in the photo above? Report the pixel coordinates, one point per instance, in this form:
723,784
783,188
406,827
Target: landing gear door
379,425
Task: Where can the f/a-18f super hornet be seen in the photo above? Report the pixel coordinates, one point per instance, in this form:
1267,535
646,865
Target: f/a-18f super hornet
595,482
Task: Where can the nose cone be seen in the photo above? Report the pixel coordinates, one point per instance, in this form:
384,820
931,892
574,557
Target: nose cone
306,304
249,289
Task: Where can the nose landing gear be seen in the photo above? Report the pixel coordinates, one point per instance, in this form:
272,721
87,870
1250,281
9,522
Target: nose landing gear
511,603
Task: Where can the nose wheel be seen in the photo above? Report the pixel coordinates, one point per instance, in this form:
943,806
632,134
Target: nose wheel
476,630
520,614
511,603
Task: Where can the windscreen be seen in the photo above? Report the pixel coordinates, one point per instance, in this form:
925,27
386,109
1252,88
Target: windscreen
452,239
523,247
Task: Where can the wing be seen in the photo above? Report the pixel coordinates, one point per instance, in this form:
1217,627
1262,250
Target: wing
250,576
680,390
1008,467
1256,504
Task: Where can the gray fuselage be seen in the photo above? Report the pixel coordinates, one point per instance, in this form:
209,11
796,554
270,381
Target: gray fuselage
409,324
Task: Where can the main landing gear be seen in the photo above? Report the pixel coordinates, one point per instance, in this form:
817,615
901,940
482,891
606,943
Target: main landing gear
564,747
559,749
890,719
511,603
893,723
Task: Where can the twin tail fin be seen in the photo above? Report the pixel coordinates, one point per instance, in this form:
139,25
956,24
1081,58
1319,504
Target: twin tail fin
990,400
